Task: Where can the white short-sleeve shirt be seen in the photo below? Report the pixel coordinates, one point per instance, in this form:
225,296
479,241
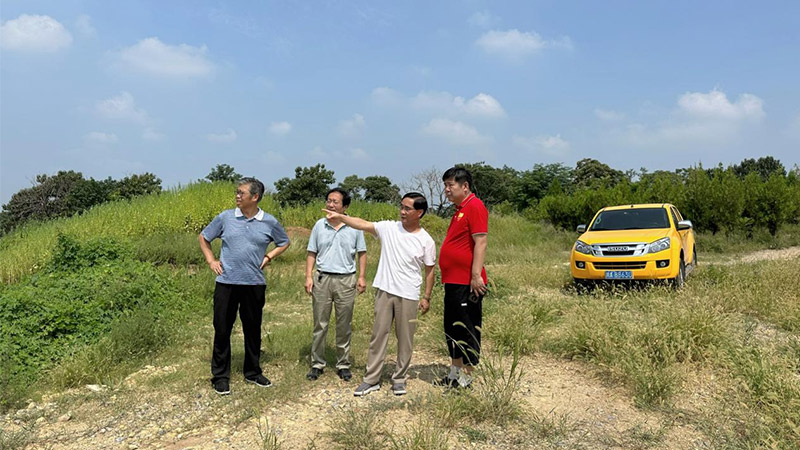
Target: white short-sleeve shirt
403,255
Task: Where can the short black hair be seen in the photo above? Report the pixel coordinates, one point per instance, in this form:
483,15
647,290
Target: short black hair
460,175
419,202
256,187
345,195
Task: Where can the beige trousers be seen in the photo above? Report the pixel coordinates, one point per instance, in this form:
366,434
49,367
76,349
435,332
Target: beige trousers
329,292
390,307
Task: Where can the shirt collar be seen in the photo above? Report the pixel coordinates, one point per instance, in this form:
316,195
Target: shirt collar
466,200
259,215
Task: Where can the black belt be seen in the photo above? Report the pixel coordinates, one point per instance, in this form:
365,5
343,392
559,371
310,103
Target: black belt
334,273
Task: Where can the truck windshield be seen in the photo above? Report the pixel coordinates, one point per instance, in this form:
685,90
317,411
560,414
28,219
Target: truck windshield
631,219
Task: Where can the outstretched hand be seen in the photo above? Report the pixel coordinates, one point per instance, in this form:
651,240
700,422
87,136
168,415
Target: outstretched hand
331,214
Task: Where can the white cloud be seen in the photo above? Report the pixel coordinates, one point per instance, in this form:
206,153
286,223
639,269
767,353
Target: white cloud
352,127
151,134
84,26
483,19
359,153
484,105
551,145
608,115
386,96
715,105
454,132
280,128
516,45
443,103
99,137
151,56
121,107
34,33
224,138
700,119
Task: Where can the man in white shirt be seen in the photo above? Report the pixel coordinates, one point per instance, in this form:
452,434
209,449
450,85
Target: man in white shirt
405,249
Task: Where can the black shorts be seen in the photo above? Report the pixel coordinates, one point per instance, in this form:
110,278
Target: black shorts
463,312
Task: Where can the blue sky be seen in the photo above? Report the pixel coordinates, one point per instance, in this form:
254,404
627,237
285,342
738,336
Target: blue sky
391,88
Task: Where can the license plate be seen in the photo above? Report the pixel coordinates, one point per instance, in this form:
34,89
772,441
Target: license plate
619,275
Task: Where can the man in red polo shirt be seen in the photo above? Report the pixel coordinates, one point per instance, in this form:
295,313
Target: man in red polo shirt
461,262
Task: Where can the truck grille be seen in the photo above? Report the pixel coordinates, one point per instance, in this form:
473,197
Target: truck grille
620,265
621,249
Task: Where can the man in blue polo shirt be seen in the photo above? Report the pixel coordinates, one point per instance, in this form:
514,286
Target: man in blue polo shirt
246,232
333,247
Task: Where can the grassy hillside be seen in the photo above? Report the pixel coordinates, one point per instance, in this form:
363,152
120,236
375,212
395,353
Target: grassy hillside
125,286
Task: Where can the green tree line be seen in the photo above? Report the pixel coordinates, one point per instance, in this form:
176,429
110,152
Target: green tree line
756,193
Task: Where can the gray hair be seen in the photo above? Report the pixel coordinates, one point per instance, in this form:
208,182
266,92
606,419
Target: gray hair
256,187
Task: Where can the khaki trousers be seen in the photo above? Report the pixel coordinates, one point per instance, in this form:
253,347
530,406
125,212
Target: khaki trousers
339,292
390,307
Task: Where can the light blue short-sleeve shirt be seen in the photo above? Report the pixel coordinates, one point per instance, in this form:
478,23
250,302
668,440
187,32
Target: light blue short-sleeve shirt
336,249
244,244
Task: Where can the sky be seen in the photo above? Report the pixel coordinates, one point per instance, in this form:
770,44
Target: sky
391,88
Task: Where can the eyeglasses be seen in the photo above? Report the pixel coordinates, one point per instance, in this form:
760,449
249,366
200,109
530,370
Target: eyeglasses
241,192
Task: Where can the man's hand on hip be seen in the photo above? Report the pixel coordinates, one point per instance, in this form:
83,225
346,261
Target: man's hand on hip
216,267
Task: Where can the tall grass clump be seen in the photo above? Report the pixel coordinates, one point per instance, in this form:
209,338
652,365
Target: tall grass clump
420,436
356,429
494,396
517,323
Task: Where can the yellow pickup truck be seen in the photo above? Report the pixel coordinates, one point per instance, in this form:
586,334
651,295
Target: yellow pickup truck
634,242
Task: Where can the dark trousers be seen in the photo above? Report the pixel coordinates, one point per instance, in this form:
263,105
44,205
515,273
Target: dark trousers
249,301
463,313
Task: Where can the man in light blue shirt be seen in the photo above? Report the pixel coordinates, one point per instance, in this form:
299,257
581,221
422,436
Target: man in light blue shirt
333,247
246,232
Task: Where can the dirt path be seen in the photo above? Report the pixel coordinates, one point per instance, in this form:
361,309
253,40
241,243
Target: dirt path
770,255
567,405
566,401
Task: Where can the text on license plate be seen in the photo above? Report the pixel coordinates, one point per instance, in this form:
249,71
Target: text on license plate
619,275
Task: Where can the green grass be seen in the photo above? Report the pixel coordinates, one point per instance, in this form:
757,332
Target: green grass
739,322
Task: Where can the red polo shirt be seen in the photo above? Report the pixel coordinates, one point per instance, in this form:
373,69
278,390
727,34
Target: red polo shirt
455,257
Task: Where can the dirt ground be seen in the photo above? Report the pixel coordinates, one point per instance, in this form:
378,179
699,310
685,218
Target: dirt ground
569,401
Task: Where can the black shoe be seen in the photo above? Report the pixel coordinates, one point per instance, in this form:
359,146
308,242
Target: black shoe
344,374
222,387
446,382
259,380
314,373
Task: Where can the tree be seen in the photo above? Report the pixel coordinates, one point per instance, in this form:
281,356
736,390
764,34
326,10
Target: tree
765,166
354,185
87,193
136,185
592,173
378,188
532,185
223,172
309,184
49,198
374,188
491,184
429,183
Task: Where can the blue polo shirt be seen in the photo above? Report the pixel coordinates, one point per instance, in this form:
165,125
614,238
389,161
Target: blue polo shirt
244,244
336,249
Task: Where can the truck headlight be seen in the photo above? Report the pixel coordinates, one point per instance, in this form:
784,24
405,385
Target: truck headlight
582,247
659,245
